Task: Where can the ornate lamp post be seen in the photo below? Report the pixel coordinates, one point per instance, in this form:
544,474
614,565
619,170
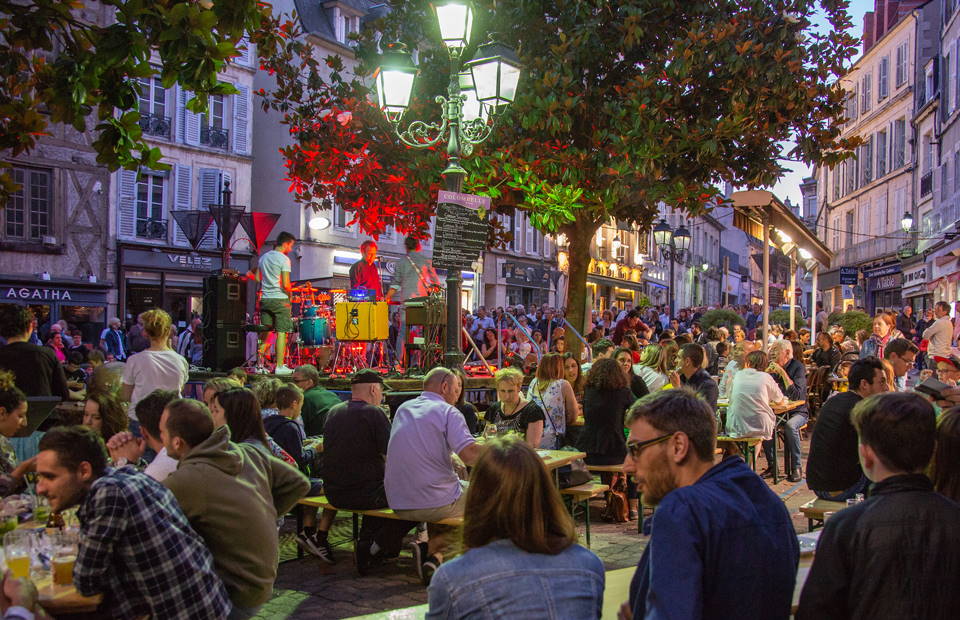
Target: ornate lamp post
674,247
477,90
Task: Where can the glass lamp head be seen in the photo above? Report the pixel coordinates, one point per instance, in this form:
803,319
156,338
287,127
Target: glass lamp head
472,108
907,222
662,234
681,238
496,72
394,78
455,18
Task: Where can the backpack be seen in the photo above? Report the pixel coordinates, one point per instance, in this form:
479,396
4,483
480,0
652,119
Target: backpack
617,509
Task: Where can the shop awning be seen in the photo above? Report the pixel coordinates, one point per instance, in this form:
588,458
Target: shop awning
752,205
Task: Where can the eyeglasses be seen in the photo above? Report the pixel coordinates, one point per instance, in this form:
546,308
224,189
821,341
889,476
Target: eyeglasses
301,380
636,447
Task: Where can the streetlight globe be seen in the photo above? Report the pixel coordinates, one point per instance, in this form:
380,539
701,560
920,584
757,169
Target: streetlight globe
705,266
455,18
907,222
681,238
805,254
394,78
663,234
496,73
319,222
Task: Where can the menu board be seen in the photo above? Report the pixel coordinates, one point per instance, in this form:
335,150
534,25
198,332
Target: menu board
461,237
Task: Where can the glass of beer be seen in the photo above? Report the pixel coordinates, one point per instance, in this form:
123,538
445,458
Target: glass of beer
64,554
17,548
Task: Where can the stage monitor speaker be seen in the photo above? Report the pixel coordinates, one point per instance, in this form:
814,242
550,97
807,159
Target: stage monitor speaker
224,347
363,320
224,300
224,315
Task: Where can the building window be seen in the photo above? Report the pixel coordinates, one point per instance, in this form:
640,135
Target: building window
28,214
866,93
150,221
852,105
848,231
340,219
883,79
836,181
152,105
836,233
212,130
956,171
881,142
901,68
850,175
947,103
929,83
899,142
866,160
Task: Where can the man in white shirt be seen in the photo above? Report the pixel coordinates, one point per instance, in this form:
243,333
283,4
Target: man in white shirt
273,273
749,413
127,448
941,332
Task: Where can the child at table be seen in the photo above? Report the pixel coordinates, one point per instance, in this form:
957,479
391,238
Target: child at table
512,412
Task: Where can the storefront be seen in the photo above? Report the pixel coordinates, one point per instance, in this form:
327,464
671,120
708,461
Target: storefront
915,291
613,284
528,284
172,279
884,287
83,305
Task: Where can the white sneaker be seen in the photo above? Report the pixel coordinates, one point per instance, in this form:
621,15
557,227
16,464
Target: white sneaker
283,370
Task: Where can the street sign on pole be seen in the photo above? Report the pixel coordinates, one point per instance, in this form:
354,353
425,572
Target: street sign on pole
470,201
797,293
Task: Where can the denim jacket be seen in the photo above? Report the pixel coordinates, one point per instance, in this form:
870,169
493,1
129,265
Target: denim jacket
500,580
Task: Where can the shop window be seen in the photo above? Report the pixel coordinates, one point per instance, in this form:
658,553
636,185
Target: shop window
29,212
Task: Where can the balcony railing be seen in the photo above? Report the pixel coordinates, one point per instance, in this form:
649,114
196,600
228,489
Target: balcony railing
869,250
926,184
152,229
155,125
215,137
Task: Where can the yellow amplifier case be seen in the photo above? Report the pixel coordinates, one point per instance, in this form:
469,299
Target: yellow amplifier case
363,320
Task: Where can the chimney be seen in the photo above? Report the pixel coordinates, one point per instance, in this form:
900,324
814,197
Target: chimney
880,19
868,28
893,14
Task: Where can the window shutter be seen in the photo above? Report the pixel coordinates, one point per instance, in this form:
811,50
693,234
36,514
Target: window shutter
529,237
428,242
182,194
241,112
127,202
245,47
517,229
188,123
209,194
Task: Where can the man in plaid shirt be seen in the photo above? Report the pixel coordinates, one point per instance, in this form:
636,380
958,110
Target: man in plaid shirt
136,546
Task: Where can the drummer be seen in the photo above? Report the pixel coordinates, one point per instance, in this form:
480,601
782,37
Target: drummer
365,273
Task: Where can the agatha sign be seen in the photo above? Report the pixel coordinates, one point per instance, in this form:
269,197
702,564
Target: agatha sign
39,294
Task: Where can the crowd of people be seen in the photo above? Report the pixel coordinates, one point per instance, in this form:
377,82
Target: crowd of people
180,500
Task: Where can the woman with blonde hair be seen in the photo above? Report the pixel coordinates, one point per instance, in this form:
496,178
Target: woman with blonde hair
554,395
648,367
517,532
512,412
157,367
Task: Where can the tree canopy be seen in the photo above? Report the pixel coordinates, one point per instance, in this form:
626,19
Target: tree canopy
59,64
622,106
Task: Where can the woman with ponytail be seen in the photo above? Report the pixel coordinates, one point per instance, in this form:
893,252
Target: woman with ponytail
13,417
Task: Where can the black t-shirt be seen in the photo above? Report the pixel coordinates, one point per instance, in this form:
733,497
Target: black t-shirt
469,413
35,369
834,463
355,439
517,421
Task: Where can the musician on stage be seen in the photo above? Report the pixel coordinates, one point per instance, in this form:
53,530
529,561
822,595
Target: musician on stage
273,273
365,273
415,277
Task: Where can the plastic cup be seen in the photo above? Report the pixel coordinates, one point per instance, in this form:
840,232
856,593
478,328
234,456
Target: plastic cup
63,557
17,546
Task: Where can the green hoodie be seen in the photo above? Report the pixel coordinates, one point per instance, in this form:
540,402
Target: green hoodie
232,495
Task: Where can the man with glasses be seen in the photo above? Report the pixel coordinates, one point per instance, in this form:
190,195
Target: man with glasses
902,355
948,369
317,401
722,544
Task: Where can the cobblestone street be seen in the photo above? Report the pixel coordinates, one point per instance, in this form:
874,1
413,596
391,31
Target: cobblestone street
308,588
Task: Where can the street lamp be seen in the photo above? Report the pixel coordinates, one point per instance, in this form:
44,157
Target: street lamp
476,91
907,222
674,246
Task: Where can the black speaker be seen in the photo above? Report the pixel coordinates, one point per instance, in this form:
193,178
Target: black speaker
224,347
224,300
224,339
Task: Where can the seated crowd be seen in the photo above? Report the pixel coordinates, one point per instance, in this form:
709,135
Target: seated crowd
167,487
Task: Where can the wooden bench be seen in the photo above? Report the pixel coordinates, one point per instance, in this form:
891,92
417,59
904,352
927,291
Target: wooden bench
581,494
815,509
619,468
321,502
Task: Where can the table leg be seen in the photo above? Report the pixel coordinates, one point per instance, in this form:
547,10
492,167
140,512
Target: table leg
356,527
639,512
299,511
586,518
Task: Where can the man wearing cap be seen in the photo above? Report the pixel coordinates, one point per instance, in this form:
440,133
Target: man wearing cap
354,452
420,480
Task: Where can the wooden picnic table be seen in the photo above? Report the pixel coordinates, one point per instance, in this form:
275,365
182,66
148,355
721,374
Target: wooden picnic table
62,600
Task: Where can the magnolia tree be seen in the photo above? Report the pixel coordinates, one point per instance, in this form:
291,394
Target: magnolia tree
622,106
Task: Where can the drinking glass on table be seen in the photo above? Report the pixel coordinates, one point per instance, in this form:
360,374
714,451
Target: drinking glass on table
490,431
63,556
17,548
41,509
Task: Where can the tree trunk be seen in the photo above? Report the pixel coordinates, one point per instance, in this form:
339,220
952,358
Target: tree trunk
580,235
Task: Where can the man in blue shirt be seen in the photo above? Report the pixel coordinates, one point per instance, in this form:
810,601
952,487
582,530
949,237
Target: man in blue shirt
722,544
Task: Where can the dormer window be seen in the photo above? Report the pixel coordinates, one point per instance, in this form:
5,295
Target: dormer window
344,19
